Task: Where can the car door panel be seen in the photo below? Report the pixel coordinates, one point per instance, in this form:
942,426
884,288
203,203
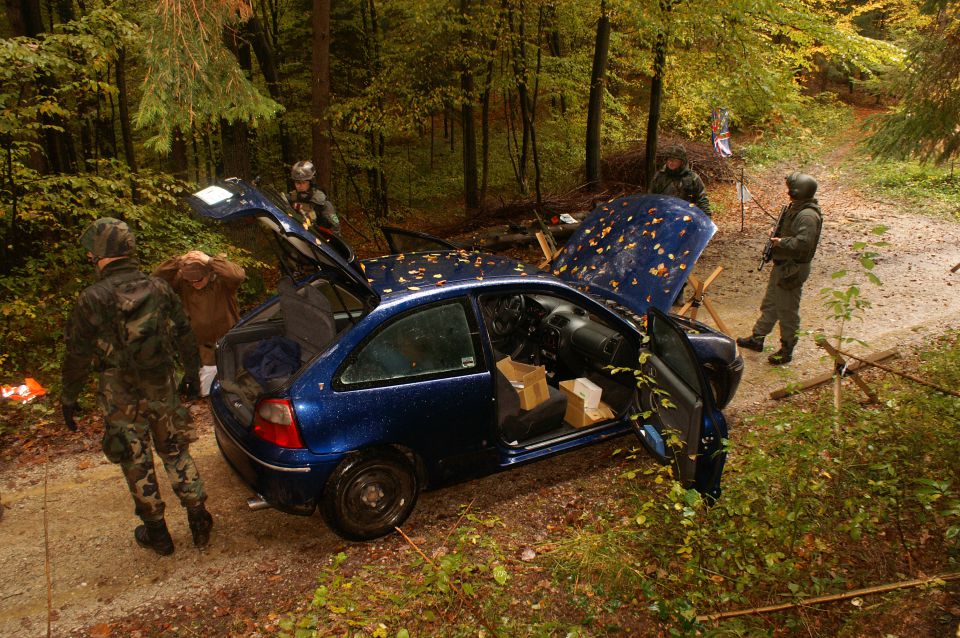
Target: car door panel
674,427
678,413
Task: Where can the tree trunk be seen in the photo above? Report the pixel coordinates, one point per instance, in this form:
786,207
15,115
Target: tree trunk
485,132
320,92
471,196
124,106
235,136
178,154
595,106
520,77
268,66
656,96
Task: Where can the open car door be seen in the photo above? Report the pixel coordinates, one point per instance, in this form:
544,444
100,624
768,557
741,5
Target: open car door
681,427
411,241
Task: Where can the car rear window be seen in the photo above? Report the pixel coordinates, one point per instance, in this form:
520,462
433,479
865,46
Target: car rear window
432,341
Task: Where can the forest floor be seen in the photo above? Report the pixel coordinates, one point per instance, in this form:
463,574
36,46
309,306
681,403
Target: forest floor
69,519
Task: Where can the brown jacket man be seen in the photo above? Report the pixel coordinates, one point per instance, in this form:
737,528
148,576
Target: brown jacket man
207,286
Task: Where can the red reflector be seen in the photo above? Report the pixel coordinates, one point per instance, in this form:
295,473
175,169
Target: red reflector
274,422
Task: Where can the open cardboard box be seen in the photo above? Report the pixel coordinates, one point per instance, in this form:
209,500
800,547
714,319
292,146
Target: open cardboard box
577,414
530,382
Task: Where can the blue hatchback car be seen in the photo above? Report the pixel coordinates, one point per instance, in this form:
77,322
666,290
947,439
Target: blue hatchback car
363,382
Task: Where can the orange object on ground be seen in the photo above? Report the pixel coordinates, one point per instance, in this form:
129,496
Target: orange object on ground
28,391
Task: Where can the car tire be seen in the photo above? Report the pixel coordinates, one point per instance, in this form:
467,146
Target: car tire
369,494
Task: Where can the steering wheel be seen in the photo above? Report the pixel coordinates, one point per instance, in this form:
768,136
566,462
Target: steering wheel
507,314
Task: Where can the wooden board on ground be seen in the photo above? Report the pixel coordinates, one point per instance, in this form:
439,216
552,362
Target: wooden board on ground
826,377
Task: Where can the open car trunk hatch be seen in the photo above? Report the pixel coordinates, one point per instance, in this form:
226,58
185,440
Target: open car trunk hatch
268,349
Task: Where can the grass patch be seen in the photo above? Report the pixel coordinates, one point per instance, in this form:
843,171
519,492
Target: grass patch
800,137
934,190
811,506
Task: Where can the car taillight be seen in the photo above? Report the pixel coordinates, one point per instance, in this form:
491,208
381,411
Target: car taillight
274,422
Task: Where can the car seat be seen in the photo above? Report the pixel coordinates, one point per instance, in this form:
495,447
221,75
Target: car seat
307,317
516,425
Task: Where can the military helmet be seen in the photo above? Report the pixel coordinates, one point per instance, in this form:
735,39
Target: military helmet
108,237
303,171
675,151
801,185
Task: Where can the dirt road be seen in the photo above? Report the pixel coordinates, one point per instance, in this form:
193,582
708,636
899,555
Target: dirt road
98,574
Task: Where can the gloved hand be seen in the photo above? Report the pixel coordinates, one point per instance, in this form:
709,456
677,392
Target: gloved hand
190,388
68,413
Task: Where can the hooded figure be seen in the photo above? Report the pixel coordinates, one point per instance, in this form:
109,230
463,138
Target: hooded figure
676,179
794,243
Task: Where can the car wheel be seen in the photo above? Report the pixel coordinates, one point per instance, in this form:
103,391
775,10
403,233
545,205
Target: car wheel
369,494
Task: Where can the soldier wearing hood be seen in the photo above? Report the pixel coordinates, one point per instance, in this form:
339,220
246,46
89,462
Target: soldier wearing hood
794,243
676,179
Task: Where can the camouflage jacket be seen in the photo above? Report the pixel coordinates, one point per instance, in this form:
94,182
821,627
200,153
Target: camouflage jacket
313,208
96,328
799,232
682,183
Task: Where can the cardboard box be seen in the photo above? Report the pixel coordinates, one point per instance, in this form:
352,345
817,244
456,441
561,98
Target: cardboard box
588,391
530,382
577,414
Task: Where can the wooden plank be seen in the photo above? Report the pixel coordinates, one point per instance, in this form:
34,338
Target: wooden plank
955,268
826,377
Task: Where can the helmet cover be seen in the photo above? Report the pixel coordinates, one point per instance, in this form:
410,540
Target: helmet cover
303,171
109,237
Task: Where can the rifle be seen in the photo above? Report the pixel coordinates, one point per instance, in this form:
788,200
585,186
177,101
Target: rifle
767,255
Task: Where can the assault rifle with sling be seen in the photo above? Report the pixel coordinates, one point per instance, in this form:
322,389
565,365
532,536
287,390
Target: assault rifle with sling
767,255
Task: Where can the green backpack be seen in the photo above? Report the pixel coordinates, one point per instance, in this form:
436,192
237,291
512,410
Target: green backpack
142,321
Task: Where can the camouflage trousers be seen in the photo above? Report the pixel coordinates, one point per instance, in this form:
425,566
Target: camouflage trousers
139,412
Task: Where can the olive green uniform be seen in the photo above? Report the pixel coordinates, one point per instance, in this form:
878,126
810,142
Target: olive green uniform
799,229
137,389
312,208
682,183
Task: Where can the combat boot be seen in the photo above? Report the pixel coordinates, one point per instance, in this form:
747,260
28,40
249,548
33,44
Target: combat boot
783,355
154,535
201,522
753,342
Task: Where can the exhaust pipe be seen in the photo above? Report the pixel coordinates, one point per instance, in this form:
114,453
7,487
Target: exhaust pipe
256,503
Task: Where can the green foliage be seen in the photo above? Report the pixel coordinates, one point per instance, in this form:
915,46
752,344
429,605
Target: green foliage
192,79
39,292
844,304
803,512
923,123
371,601
934,190
801,134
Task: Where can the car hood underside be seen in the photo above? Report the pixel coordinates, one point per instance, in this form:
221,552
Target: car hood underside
636,251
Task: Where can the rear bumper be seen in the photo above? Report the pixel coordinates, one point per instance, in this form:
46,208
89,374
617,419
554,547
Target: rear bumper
289,480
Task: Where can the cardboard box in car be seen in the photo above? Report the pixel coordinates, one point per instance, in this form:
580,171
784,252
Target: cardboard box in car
588,391
577,414
530,382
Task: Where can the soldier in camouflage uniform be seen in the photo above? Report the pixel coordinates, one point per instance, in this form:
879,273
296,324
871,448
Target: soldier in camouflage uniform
676,179
794,243
310,204
127,326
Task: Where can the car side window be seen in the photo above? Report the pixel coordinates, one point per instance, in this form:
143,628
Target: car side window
668,344
432,341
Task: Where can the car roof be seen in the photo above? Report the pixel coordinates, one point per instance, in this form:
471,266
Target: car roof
412,273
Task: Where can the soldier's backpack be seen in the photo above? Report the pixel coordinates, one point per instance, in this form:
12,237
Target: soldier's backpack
142,322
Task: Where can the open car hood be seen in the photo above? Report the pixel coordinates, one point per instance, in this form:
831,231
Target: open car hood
234,198
636,251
